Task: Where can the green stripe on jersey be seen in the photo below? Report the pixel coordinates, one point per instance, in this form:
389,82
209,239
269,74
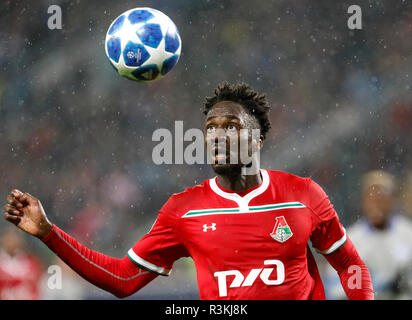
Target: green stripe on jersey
268,207
277,206
209,211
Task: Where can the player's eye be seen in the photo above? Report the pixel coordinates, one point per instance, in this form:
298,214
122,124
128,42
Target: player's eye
231,128
210,129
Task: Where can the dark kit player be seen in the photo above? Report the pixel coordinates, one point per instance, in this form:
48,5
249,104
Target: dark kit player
247,233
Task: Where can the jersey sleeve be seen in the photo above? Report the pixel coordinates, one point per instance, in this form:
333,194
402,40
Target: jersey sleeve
328,234
160,247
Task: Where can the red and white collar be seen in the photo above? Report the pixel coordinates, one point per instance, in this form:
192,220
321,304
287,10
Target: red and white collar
243,202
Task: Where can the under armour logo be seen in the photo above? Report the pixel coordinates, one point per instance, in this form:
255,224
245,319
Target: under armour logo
211,227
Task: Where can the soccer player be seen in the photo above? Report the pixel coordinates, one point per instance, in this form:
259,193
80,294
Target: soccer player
247,233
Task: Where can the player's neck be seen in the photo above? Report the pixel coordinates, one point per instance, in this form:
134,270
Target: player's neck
239,182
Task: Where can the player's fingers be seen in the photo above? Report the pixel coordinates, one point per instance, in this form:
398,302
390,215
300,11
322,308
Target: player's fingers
26,197
10,199
13,219
12,210
16,193
13,201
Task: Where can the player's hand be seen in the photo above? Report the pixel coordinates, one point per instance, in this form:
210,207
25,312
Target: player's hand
27,213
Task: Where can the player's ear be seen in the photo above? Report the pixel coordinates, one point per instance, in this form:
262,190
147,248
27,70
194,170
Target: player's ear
260,144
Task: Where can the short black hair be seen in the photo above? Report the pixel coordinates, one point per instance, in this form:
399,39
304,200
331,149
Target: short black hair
256,104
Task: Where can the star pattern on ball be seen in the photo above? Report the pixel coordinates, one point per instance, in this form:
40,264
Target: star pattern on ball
155,53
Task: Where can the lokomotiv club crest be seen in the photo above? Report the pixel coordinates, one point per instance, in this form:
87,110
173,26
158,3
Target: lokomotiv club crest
281,232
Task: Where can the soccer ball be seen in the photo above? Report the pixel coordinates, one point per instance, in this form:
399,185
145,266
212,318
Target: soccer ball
143,44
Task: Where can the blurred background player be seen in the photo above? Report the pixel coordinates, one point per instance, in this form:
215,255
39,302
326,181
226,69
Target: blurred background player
383,237
20,271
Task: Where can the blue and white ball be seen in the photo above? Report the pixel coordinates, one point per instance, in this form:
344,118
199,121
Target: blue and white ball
143,44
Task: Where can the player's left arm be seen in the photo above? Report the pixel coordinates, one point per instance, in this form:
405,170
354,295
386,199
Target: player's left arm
329,238
120,277
353,272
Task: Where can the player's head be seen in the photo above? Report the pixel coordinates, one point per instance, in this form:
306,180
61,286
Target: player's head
236,114
378,196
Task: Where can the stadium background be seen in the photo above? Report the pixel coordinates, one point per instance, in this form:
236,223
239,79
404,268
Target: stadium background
78,136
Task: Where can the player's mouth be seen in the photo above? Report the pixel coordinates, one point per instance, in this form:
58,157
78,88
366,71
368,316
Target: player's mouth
221,154
220,159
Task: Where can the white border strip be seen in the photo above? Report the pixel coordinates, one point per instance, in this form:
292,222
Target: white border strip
334,246
147,265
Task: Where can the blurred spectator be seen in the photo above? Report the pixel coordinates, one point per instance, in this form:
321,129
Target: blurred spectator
20,271
383,238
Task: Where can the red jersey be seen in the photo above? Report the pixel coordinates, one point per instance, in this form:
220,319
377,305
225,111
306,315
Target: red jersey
248,246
